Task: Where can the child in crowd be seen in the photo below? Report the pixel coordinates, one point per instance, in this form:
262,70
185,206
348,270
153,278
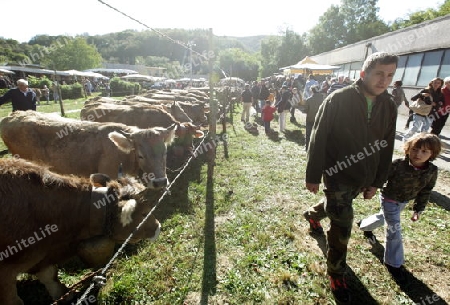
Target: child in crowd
267,115
412,177
399,94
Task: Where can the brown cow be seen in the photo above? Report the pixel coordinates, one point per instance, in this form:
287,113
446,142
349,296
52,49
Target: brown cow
194,108
142,116
168,106
196,111
47,218
71,146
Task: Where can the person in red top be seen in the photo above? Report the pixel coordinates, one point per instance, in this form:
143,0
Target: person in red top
267,115
443,110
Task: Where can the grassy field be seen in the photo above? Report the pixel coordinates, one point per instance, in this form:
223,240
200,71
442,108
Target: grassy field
238,237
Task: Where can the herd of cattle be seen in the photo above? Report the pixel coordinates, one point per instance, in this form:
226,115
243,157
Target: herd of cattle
54,202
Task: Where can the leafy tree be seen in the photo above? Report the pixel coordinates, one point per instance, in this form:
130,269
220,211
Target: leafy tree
42,40
444,9
361,20
270,48
237,63
75,54
330,33
421,16
292,49
281,51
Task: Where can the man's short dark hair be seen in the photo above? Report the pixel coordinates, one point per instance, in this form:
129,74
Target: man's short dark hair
382,58
314,89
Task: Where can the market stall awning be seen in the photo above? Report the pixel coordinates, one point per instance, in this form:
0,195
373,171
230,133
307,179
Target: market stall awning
138,77
306,65
6,71
27,69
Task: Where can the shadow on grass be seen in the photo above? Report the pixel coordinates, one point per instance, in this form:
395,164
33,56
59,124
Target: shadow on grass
274,136
415,289
177,201
441,200
296,123
295,136
33,292
39,296
209,279
360,294
252,130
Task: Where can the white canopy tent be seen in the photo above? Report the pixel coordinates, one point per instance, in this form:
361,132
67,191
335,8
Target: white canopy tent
138,77
6,71
308,65
84,74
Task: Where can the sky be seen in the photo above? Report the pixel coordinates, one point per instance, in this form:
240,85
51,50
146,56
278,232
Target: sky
225,18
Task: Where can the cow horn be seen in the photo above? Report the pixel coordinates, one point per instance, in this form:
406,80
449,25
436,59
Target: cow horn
126,134
120,173
174,126
99,180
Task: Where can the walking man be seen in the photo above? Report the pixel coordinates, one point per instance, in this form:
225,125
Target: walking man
351,148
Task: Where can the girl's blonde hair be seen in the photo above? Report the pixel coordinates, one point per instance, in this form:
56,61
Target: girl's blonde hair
428,140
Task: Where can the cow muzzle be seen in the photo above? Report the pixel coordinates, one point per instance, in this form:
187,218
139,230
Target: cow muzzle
156,235
158,183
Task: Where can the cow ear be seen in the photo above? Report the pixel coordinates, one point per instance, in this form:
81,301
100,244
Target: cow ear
127,210
121,141
99,180
199,134
170,133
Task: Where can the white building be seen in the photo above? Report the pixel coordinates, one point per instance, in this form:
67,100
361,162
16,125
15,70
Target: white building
424,52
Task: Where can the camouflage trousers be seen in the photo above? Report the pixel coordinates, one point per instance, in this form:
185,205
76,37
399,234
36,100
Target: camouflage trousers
337,206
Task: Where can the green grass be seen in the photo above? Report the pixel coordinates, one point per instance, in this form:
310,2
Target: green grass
242,239
238,237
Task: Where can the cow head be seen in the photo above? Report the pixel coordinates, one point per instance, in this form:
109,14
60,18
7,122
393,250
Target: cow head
178,113
131,212
190,130
133,203
196,111
200,110
150,150
185,133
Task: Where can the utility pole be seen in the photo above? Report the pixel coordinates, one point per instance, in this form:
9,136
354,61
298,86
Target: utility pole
63,114
190,45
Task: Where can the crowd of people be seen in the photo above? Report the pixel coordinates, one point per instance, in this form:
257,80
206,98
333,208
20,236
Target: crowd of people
306,95
288,94
351,153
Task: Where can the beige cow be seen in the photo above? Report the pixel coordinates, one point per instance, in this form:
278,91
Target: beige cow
71,146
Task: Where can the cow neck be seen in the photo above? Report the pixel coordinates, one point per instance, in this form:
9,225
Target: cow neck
100,214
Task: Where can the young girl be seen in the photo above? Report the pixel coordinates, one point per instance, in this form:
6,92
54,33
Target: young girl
267,115
412,177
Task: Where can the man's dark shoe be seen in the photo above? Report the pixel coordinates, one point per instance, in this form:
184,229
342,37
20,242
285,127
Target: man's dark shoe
398,274
368,234
314,226
340,290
